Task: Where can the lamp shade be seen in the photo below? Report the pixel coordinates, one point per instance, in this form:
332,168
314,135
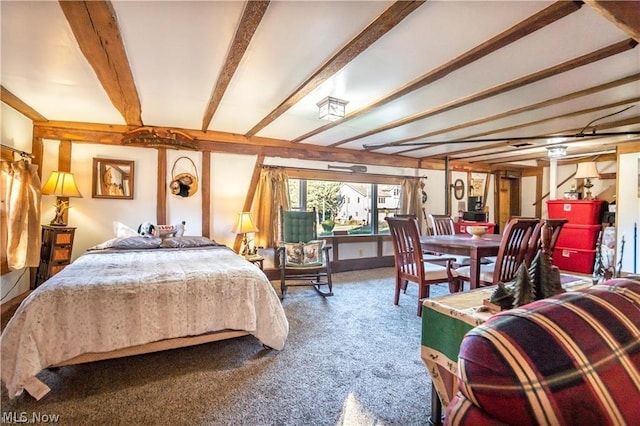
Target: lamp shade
61,184
586,170
244,223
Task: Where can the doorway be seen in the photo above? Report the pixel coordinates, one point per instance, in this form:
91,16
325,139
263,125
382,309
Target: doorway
508,195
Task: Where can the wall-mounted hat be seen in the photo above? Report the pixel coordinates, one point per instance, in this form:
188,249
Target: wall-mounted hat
184,184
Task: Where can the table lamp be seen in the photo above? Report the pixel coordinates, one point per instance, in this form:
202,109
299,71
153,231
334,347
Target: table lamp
61,184
244,224
587,171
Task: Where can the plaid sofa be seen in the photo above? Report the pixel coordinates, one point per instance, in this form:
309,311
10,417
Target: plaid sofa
573,359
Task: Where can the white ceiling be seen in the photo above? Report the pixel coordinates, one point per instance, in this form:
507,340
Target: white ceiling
176,50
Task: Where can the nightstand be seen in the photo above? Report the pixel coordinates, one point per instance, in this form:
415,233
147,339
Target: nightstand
256,259
55,251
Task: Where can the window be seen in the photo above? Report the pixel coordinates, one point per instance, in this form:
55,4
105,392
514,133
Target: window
333,201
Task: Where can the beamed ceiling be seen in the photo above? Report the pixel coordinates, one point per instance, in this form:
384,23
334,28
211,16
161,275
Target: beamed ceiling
486,83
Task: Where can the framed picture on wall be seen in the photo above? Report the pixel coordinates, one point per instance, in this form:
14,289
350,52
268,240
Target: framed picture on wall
112,179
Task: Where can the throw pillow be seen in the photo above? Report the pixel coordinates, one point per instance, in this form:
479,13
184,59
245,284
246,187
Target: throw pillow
304,254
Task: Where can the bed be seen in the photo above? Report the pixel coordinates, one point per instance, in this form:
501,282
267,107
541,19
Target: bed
137,295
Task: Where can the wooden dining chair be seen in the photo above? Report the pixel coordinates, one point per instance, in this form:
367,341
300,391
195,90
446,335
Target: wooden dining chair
410,266
513,251
551,229
442,224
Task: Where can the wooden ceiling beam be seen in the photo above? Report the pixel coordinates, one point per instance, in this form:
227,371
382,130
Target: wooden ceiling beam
383,24
96,30
541,19
523,125
625,14
490,157
595,56
252,15
16,103
527,108
109,134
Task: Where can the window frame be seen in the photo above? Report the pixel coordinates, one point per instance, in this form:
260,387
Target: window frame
373,179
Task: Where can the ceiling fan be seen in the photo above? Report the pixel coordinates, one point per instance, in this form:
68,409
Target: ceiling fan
581,134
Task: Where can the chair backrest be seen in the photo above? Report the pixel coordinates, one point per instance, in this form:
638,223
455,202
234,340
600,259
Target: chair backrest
545,236
298,227
413,216
441,224
550,233
407,252
514,248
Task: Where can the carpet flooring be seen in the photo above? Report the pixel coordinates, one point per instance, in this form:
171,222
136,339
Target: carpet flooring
350,359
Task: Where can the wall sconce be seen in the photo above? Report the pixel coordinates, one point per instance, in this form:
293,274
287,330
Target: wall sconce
61,184
244,224
557,151
587,171
331,109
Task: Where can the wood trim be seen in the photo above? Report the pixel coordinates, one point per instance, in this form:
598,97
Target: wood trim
205,185
161,190
231,143
297,173
545,17
383,24
624,14
96,30
37,150
629,148
64,165
539,179
532,107
14,102
252,15
588,58
253,186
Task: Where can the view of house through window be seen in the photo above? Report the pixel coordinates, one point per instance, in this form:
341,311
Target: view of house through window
346,207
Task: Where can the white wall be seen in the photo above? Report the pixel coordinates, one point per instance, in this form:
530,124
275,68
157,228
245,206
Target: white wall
628,210
17,132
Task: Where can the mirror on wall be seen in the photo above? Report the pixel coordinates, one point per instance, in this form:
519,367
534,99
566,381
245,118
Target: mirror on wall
112,179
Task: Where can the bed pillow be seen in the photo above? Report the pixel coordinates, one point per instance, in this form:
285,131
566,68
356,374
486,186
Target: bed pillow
304,254
186,242
129,243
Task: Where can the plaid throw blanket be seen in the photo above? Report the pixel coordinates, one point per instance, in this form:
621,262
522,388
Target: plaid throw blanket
573,359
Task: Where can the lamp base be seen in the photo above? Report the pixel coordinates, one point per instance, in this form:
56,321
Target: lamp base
588,185
58,219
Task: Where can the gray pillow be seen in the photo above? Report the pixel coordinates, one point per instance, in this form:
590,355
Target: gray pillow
186,242
129,243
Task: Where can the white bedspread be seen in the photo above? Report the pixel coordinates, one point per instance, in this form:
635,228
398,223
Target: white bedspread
108,301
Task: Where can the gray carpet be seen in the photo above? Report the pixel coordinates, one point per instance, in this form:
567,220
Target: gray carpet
350,359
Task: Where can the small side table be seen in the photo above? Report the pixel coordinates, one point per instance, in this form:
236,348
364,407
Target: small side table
256,259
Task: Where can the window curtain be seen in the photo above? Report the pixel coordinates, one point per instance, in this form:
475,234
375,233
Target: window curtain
20,214
411,197
272,192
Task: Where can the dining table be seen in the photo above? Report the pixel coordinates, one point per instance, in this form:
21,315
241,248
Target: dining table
464,245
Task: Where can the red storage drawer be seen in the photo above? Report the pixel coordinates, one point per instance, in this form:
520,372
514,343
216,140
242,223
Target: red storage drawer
461,226
584,237
574,260
580,212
